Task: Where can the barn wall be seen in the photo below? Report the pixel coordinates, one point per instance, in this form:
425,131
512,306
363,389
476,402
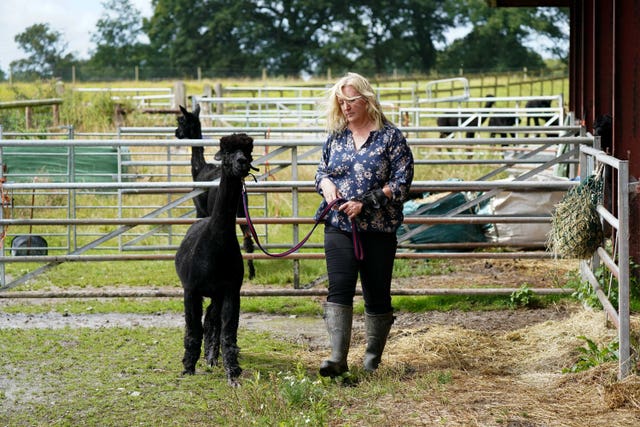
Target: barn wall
604,79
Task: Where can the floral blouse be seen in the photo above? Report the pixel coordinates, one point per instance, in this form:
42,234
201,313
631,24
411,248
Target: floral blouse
385,158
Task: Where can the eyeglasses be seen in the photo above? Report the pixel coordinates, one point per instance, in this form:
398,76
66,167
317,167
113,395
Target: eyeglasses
349,101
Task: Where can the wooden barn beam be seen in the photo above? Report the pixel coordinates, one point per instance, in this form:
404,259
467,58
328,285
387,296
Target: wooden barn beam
626,103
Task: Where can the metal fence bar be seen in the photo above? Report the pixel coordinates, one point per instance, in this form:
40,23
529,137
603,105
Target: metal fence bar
261,256
616,263
459,219
178,293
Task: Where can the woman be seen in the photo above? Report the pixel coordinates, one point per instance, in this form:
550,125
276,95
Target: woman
366,163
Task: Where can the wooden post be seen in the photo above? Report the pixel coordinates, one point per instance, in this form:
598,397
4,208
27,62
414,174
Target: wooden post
59,88
27,117
179,95
56,114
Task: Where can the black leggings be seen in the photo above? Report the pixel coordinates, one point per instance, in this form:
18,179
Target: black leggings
375,269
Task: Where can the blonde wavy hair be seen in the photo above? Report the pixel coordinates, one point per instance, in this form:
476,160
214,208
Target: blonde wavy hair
336,121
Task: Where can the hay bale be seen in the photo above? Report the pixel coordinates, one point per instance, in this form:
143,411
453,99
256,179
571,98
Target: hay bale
576,228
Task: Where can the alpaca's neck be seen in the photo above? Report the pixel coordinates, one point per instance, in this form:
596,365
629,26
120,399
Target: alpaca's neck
225,208
198,161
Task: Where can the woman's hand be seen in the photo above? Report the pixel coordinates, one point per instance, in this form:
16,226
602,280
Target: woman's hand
329,190
352,208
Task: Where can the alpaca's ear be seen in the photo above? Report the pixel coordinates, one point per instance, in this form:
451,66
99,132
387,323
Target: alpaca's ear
218,156
196,111
184,110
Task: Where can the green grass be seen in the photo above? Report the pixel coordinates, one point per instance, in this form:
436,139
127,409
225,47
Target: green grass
292,306
423,304
149,274
132,376
116,376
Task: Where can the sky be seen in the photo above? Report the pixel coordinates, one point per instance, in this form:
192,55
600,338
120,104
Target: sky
74,19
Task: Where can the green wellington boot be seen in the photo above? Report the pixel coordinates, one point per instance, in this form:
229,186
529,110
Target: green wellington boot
377,326
338,319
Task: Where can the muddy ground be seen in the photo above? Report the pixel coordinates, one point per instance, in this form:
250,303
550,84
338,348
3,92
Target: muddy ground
463,273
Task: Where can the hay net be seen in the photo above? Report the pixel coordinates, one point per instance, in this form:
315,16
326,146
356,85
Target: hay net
576,227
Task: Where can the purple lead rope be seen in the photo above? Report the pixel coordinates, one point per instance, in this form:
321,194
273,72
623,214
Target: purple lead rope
357,244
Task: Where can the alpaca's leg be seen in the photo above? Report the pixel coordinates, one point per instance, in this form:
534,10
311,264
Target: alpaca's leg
504,135
212,333
192,332
230,349
247,246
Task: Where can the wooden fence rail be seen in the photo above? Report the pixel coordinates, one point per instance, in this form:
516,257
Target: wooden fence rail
28,105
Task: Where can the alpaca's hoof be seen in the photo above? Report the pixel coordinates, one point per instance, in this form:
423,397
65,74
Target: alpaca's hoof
189,372
232,376
211,360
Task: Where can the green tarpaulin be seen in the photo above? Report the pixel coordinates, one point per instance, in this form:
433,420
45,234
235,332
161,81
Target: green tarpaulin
53,164
441,233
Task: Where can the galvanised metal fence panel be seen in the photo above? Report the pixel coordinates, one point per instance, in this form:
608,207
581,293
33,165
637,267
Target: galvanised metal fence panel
613,255
151,196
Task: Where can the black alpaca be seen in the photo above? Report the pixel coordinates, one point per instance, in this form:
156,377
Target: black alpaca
536,120
451,121
502,122
209,265
454,121
603,127
189,128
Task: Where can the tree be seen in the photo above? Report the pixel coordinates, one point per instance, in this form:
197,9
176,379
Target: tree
402,34
503,32
378,37
118,36
291,31
215,35
46,50
290,37
506,53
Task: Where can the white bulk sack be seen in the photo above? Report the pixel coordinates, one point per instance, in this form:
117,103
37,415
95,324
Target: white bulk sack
524,203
